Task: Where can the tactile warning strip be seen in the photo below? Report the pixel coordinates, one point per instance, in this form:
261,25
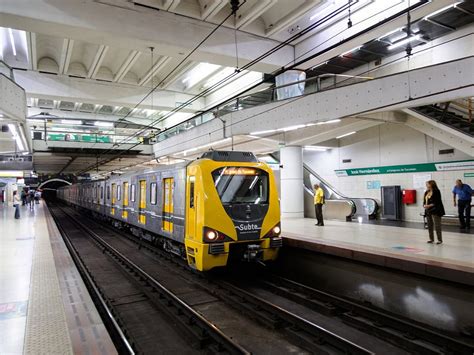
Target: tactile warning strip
46,326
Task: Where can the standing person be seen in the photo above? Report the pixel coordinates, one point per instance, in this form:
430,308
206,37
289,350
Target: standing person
318,204
23,197
434,210
464,193
31,198
37,196
16,204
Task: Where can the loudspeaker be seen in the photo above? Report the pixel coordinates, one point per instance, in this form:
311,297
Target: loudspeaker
5,128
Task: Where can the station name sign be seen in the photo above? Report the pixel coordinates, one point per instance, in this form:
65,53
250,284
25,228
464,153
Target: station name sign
411,168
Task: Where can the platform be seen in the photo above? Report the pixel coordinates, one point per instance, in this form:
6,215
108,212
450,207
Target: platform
44,306
388,246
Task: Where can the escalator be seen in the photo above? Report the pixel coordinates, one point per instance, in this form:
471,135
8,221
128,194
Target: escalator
338,206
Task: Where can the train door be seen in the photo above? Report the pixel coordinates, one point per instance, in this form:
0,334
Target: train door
191,213
125,201
114,198
142,202
168,190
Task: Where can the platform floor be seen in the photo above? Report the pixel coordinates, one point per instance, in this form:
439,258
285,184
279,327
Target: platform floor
457,250
44,306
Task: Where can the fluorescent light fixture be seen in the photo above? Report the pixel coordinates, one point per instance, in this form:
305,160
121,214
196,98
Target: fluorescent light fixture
103,124
218,77
16,137
319,65
403,42
329,122
22,136
292,128
319,13
71,122
205,146
437,12
198,73
12,41
262,132
314,149
390,33
352,50
285,129
34,120
345,135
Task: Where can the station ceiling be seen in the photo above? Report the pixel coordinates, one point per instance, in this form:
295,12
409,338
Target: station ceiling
93,60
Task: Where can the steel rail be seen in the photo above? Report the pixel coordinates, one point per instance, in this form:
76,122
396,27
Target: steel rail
120,340
310,335
380,321
195,318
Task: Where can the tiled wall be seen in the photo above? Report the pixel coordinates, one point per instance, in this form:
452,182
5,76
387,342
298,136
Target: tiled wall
388,144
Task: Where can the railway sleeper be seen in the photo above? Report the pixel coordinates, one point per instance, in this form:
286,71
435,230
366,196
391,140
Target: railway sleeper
310,302
391,335
349,311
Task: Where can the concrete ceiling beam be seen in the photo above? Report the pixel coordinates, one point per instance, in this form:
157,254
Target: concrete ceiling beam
171,35
64,88
127,65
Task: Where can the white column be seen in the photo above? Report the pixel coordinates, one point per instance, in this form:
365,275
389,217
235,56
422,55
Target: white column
291,176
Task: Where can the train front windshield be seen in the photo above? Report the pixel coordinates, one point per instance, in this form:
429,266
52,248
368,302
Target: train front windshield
244,185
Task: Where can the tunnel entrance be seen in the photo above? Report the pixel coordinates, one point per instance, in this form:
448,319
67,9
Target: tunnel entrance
50,186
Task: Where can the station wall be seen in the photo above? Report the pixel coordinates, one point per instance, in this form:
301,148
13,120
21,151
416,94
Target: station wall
385,145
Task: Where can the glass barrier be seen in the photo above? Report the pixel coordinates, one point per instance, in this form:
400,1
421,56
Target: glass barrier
261,97
6,70
55,136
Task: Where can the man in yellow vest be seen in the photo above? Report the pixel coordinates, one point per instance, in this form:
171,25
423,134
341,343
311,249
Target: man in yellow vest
318,204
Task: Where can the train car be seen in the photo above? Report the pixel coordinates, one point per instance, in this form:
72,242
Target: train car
220,208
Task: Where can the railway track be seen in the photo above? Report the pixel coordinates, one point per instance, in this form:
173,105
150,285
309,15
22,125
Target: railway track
243,295
306,336
153,304
405,333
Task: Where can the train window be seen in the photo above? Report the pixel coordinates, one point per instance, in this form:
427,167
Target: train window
132,192
119,192
108,192
191,192
241,185
101,192
153,193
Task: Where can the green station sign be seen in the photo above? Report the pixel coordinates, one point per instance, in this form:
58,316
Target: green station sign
90,138
409,168
470,175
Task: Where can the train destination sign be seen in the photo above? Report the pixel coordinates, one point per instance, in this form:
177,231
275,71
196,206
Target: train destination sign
410,168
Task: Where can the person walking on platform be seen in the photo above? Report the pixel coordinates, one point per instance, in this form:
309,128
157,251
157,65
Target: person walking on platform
16,204
464,193
318,204
31,199
23,197
434,210
37,196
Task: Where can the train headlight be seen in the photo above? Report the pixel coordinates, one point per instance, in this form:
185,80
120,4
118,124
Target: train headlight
211,235
274,232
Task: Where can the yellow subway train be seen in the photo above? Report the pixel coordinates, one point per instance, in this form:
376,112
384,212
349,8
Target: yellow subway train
220,208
